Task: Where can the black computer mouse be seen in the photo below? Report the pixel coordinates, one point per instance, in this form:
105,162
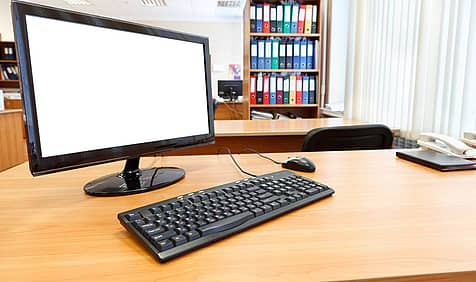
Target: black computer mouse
299,164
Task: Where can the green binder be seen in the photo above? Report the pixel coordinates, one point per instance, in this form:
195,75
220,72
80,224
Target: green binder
287,18
286,90
275,54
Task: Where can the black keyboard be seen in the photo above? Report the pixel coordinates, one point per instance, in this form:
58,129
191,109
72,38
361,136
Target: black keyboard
175,226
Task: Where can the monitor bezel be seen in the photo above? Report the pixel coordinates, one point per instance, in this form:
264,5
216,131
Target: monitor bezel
236,82
42,165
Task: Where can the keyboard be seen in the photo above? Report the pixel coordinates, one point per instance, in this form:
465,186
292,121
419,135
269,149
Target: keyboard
173,227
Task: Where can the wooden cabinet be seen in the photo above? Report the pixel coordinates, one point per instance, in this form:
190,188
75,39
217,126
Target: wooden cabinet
309,110
8,59
12,139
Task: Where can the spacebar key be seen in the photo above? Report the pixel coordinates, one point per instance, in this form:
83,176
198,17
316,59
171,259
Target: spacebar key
226,223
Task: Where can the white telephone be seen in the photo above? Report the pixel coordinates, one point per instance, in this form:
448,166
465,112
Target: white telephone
470,138
447,145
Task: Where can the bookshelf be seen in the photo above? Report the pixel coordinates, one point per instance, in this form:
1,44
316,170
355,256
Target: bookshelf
8,60
310,110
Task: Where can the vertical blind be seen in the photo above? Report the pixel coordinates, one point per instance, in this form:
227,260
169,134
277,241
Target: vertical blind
411,64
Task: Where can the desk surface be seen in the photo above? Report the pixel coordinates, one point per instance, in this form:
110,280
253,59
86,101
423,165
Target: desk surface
224,128
388,218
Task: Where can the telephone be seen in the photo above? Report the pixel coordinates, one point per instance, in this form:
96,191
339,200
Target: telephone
470,138
447,145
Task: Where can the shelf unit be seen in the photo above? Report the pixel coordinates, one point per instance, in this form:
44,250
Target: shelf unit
3,82
303,110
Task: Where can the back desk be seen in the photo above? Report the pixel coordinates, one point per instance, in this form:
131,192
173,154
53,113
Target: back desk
264,136
389,219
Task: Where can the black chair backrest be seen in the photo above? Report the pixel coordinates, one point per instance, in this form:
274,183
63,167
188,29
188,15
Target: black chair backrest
343,138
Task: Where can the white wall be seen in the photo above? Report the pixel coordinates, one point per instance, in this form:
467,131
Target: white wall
6,27
226,44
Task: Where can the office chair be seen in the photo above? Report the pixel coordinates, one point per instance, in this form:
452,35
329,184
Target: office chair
343,138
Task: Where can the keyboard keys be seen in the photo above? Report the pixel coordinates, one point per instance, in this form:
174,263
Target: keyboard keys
164,235
205,216
225,224
164,245
179,240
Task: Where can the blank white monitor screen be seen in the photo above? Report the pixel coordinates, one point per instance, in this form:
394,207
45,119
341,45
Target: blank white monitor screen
100,88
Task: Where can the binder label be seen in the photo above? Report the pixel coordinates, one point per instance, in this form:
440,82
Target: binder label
275,49
272,84
254,50
279,86
312,85
286,85
302,14
279,13
252,12
303,50
259,13
259,85
273,14
282,50
253,85
266,14
268,50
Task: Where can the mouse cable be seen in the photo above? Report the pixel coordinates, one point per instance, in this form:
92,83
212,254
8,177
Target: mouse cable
233,159
261,155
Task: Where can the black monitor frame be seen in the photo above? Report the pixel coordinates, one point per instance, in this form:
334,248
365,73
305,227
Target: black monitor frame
42,165
226,86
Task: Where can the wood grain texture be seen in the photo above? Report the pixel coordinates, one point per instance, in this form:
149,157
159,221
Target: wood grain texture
12,141
389,219
231,111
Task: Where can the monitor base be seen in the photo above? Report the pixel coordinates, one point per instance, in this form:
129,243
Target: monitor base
133,181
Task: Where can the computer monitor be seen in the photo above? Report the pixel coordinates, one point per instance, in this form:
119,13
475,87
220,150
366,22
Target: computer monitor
97,90
230,89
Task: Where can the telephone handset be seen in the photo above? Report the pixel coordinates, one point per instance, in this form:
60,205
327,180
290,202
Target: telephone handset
470,138
447,145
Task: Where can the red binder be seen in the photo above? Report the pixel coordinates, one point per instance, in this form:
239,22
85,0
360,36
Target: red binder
302,18
298,89
266,16
266,89
253,89
279,89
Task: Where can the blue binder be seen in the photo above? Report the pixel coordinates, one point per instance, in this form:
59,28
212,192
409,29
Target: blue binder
310,55
259,18
267,54
260,54
254,54
294,18
296,56
305,89
272,89
303,54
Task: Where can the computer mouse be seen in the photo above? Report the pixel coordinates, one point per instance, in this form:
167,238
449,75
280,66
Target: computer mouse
299,164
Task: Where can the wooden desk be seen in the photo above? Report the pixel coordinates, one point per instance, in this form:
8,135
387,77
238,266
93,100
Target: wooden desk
12,139
389,219
263,135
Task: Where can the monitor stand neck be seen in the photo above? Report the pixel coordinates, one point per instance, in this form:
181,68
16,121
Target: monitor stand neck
132,173
133,180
